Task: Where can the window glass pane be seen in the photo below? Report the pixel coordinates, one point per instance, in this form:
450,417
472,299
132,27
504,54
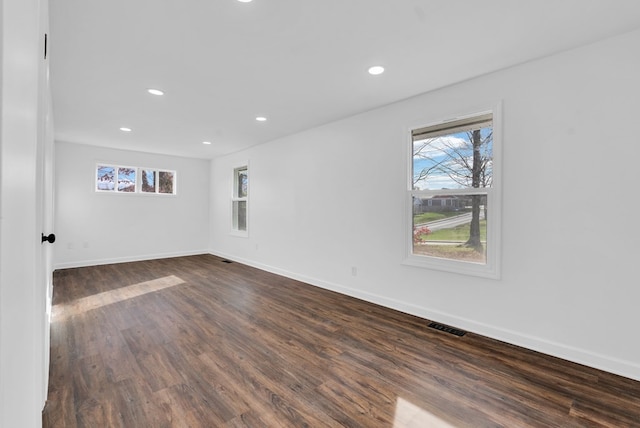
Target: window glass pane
240,215
105,179
456,160
148,177
165,182
242,183
451,227
126,180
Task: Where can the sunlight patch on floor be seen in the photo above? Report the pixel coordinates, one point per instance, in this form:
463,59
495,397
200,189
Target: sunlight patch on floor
63,311
409,415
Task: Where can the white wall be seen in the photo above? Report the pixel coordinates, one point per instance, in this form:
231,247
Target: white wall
97,228
333,197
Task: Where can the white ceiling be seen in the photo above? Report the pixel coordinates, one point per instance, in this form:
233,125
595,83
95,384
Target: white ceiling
300,63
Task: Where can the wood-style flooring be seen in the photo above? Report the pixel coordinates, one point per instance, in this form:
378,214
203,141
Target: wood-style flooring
196,342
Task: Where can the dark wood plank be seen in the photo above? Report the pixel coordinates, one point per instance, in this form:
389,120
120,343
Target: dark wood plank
194,342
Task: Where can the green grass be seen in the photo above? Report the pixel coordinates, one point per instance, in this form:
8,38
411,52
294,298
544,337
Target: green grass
458,233
427,217
454,252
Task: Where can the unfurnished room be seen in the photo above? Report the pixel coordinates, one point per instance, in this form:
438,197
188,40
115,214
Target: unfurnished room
282,213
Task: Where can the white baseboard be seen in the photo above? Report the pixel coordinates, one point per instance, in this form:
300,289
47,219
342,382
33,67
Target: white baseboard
602,362
84,263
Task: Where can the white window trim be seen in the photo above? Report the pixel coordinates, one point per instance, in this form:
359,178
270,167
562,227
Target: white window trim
492,267
235,198
138,188
157,192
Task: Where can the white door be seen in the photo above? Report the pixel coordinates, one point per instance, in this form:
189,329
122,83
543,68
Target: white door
44,213
23,155
44,204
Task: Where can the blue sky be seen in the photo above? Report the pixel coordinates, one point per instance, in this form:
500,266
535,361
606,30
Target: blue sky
122,175
150,177
434,151
102,170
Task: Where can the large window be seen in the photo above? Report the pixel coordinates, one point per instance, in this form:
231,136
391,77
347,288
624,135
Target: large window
240,200
454,196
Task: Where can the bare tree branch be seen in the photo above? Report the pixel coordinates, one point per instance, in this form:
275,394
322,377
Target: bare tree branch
467,162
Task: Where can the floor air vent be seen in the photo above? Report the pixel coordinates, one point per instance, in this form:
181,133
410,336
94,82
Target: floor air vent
227,261
447,329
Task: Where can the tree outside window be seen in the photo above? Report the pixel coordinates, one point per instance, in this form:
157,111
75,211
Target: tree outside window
240,199
452,177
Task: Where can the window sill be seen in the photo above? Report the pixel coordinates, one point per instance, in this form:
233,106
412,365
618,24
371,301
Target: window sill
239,233
464,268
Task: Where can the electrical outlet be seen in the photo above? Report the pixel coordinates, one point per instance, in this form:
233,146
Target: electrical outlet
354,271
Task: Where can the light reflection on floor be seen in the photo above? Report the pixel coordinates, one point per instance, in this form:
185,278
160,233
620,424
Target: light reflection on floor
66,310
408,415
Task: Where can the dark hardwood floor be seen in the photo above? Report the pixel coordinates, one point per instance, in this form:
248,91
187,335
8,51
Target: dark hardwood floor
196,342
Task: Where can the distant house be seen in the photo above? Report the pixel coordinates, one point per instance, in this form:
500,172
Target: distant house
441,203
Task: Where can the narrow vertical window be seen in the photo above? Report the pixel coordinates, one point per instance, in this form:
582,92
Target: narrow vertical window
148,177
166,182
240,199
453,196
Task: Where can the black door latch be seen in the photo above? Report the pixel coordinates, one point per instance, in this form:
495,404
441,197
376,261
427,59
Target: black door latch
50,238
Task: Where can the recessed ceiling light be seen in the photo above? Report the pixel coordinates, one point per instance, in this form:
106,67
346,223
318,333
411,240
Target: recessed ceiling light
125,129
376,69
155,91
207,143
261,119
244,1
